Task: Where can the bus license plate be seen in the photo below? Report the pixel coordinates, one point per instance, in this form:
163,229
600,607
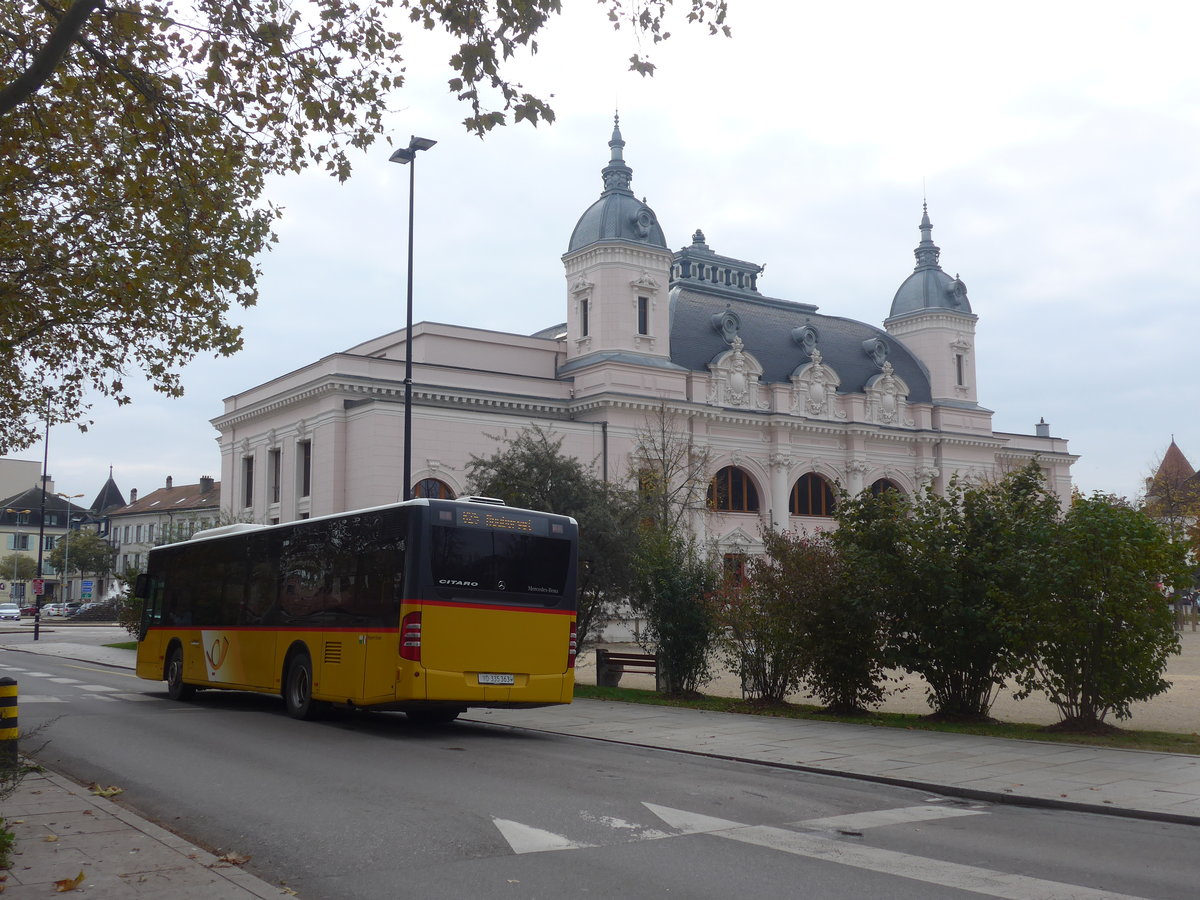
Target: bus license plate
493,678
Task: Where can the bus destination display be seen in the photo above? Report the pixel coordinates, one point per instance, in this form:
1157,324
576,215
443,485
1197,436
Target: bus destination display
502,520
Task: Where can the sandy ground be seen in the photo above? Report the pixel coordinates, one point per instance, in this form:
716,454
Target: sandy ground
1176,710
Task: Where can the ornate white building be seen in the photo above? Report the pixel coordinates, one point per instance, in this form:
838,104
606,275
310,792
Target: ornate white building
787,401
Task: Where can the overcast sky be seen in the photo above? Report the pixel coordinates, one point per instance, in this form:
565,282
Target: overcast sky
1056,144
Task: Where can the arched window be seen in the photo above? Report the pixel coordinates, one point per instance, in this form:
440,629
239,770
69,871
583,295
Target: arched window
733,490
885,484
433,489
811,495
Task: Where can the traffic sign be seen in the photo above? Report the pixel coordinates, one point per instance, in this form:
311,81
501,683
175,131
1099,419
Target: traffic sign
86,585
39,587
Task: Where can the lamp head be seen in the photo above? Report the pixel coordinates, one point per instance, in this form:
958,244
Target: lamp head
405,155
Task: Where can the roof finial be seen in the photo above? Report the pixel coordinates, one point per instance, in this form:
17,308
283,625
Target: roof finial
617,176
927,251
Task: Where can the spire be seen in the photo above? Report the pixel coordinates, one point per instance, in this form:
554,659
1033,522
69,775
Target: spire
617,175
927,251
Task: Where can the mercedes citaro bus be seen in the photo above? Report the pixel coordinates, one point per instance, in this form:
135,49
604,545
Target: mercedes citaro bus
428,606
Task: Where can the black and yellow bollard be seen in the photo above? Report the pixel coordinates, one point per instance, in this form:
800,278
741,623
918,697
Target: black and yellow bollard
8,723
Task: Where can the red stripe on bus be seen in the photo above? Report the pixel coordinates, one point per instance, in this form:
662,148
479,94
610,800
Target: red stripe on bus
469,605
185,628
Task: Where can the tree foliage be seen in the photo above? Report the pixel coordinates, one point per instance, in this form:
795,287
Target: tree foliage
957,574
670,471
17,567
673,590
1104,633
85,552
137,136
531,471
790,622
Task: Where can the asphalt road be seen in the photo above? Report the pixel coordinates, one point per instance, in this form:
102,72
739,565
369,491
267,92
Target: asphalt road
370,806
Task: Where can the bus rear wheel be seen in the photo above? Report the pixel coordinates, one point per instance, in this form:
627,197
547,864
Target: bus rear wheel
297,689
176,688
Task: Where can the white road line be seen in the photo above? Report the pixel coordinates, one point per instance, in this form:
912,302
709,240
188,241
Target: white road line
30,698
65,680
135,697
105,697
40,674
527,839
96,687
918,868
882,817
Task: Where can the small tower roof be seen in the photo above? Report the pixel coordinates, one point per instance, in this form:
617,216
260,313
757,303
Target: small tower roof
1174,466
109,497
618,215
928,287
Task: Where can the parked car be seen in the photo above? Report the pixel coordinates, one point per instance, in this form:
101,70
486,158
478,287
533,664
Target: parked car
97,611
10,611
53,609
30,610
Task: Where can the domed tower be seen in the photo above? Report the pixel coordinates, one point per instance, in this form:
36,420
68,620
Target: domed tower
618,272
932,316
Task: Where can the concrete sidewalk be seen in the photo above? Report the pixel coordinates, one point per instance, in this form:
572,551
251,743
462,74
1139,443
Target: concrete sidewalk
1156,786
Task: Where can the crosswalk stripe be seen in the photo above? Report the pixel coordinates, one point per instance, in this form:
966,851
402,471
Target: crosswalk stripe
918,868
882,817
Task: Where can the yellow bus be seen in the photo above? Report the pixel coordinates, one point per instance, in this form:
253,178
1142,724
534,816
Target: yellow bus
428,606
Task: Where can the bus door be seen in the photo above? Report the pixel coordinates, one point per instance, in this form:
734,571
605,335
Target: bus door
380,656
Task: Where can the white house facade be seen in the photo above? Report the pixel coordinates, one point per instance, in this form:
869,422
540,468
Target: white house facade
787,402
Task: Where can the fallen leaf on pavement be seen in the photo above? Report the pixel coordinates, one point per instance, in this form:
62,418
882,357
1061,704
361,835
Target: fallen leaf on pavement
233,859
111,791
50,838
68,884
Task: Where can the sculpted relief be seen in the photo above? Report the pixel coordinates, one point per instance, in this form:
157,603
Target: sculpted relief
814,389
735,379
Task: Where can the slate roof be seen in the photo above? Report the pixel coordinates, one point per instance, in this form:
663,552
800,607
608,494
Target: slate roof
766,327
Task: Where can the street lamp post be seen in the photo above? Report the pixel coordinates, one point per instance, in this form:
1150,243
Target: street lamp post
16,545
408,156
66,572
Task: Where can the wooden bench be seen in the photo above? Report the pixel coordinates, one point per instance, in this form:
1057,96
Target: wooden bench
612,664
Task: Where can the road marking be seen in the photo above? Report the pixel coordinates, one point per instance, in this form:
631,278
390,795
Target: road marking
105,697
113,672
65,680
136,698
527,839
882,817
96,687
918,868
40,674
30,698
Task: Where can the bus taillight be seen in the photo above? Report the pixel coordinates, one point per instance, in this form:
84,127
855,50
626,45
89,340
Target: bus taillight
572,647
410,637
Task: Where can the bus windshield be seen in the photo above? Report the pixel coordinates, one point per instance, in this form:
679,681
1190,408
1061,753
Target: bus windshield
499,555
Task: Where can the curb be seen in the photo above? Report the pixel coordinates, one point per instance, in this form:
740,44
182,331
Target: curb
891,781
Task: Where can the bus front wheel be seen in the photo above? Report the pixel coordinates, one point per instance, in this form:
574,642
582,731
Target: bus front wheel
297,689
176,689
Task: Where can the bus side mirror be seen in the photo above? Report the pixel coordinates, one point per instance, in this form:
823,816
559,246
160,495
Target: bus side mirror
141,587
